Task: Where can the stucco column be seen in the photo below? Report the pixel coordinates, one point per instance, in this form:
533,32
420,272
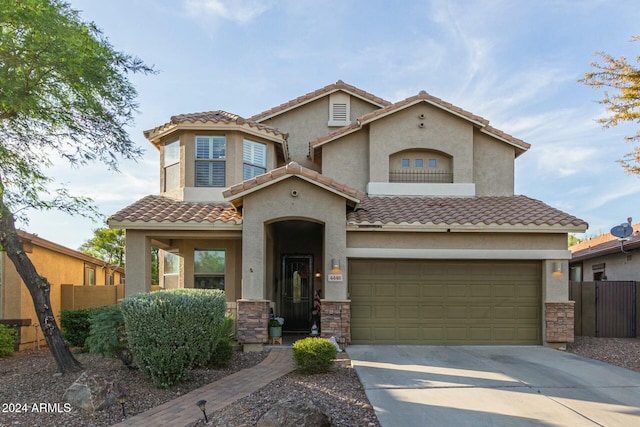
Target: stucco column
557,310
253,269
335,248
138,266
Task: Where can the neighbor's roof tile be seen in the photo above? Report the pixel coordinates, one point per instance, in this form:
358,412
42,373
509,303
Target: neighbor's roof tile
163,209
317,93
514,210
605,244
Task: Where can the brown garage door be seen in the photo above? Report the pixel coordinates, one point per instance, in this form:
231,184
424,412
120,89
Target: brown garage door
445,302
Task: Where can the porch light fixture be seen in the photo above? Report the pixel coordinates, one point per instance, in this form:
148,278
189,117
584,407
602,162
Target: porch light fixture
318,274
122,398
335,267
557,268
202,404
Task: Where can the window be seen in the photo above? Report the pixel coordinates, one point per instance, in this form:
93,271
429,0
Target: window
254,158
208,268
406,163
109,281
89,275
419,163
433,163
210,161
171,165
171,270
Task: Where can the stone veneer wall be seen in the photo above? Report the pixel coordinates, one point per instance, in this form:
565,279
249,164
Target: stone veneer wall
559,319
335,320
252,321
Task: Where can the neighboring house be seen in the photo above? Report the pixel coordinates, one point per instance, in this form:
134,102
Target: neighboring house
402,217
606,257
66,270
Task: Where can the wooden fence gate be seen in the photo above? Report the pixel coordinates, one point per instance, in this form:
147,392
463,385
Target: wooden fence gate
605,309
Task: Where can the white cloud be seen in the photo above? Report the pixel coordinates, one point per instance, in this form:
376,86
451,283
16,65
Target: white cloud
239,11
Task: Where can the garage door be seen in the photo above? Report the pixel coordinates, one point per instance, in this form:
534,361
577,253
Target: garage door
445,302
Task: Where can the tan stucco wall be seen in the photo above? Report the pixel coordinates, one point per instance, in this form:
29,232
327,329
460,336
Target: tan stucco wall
58,268
444,240
441,132
308,122
347,160
618,266
493,166
233,163
275,203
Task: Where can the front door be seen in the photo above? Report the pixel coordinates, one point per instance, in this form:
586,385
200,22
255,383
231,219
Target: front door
297,292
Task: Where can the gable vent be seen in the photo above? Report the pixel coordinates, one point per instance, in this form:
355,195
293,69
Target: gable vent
339,112
339,109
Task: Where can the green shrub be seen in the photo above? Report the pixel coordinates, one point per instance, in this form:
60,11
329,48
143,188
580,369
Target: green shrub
223,352
7,340
107,335
314,355
170,332
75,326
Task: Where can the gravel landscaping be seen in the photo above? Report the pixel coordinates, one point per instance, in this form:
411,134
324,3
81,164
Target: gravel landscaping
27,378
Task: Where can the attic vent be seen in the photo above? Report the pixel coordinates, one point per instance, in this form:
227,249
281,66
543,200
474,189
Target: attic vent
339,105
340,112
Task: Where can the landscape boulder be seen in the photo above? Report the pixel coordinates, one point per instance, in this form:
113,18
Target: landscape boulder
91,393
295,413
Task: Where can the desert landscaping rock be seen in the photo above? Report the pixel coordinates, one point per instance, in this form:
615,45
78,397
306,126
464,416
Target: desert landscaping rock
295,413
28,377
91,393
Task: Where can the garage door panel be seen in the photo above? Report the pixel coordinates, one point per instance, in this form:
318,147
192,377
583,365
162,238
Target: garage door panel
456,302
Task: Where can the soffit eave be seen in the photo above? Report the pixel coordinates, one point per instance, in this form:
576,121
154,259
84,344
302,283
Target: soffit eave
166,225
465,228
156,137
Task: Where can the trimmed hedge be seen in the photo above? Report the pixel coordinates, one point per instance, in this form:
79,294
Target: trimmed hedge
170,332
314,355
75,326
7,340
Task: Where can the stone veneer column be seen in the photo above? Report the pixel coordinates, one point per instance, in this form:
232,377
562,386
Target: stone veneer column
335,320
559,320
252,321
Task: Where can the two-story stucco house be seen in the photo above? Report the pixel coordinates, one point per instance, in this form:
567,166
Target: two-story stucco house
400,216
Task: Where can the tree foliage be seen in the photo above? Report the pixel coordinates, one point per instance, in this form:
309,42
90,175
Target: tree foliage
106,244
64,93
623,104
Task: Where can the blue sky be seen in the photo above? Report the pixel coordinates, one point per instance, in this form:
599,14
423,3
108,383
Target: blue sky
513,62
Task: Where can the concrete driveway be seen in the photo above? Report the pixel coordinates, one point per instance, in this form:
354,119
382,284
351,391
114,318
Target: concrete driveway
494,386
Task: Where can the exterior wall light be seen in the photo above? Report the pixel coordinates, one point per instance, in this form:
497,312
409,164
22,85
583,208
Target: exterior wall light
557,268
318,274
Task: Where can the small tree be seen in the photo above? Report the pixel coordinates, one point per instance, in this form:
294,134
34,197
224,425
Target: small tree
64,90
106,244
624,105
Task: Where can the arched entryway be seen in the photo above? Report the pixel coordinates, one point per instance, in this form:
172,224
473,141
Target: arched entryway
296,264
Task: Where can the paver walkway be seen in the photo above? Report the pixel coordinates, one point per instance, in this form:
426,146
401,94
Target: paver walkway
218,394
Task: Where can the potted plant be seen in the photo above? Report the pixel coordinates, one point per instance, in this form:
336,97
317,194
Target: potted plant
275,327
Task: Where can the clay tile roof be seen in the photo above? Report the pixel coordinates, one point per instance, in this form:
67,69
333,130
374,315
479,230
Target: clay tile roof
604,244
422,96
213,117
514,210
339,85
163,209
293,169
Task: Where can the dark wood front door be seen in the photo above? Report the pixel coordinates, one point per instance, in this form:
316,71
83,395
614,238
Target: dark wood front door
297,292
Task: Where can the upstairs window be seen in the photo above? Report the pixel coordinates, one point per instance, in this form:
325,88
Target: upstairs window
254,158
339,109
210,161
171,165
